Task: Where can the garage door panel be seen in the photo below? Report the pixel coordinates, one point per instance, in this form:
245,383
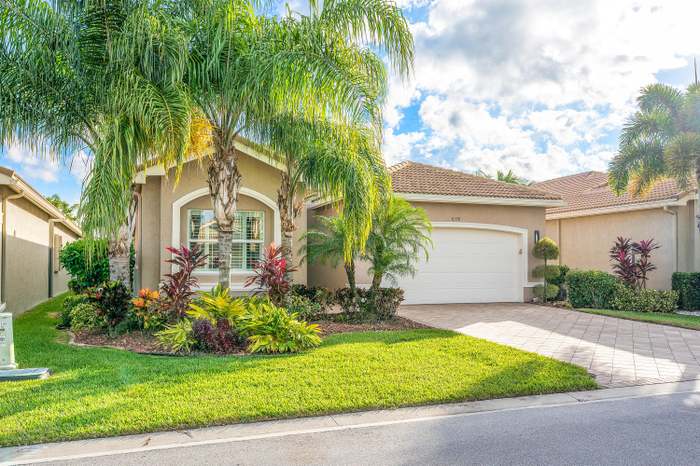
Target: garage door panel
468,265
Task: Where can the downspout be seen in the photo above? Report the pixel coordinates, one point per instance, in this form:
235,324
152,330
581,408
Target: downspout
674,214
3,260
139,244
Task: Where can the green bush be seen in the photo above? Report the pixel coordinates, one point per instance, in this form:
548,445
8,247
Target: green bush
687,284
85,317
302,306
591,288
271,329
323,296
644,300
114,300
215,305
177,337
84,273
369,305
68,304
552,291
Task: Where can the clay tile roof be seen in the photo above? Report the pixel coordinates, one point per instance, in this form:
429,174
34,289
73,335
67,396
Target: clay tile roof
590,190
418,178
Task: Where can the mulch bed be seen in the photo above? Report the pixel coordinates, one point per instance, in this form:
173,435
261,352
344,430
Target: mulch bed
145,343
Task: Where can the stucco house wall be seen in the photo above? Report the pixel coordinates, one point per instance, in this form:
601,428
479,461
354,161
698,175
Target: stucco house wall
30,272
163,200
585,241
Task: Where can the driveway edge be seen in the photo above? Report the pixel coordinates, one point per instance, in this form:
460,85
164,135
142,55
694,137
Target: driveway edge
64,451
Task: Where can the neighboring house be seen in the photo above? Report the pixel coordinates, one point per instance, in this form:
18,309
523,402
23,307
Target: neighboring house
594,216
33,232
483,229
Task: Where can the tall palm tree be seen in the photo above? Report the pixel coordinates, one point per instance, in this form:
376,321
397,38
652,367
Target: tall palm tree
662,139
400,233
505,177
328,245
66,87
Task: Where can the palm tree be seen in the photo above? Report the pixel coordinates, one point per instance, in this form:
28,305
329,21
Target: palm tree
505,177
400,233
66,87
662,139
328,245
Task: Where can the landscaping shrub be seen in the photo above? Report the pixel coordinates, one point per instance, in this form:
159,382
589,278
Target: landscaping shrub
644,300
149,309
687,284
555,275
113,299
631,262
370,305
84,273
302,306
216,338
552,291
216,305
318,294
68,304
271,329
86,316
177,337
547,250
271,274
590,288
178,287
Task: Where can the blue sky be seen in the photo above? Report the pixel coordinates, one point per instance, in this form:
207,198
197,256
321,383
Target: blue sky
541,87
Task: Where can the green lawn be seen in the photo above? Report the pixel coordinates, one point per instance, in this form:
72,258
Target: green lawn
101,392
674,320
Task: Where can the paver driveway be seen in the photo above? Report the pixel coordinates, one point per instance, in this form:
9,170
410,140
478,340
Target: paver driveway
617,352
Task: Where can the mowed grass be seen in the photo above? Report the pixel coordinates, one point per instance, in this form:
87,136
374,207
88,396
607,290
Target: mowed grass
97,392
674,320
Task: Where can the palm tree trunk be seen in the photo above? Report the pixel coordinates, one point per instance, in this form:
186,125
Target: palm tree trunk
350,272
288,214
118,253
224,184
376,281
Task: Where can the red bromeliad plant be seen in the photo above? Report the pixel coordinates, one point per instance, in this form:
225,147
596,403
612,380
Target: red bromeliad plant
633,271
271,274
178,287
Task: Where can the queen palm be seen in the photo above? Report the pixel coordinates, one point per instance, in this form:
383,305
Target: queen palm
62,91
662,139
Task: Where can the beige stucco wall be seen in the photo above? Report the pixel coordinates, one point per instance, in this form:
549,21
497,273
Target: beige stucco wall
159,193
585,241
27,256
529,218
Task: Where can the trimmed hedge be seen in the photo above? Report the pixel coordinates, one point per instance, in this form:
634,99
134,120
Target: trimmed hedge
379,305
645,300
591,288
687,284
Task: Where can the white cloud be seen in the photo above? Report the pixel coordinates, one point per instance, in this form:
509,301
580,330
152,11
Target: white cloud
80,166
44,167
537,86
398,147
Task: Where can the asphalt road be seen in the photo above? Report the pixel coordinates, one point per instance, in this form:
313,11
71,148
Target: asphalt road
655,430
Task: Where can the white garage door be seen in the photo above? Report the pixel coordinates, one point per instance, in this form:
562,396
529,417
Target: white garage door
468,266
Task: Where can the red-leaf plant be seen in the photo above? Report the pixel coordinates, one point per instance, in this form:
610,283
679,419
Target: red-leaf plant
271,274
644,265
178,287
632,272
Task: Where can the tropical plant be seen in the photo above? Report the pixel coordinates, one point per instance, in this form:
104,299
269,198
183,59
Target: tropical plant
546,249
85,272
271,329
69,303
150,310
643,300
179,286
632,261
218,337
86,317
216,305
327,245
271,274
662,139
177,337
305,308
112,299
505,177
400,234
88,77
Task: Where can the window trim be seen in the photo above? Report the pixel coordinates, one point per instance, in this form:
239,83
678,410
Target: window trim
202,270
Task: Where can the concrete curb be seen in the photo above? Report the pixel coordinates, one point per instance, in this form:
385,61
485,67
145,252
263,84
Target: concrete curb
269,429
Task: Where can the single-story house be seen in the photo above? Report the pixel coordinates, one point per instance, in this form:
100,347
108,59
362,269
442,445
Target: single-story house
483,229
33,233
594,216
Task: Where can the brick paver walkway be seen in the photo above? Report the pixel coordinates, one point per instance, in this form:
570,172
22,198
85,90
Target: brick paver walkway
617,352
